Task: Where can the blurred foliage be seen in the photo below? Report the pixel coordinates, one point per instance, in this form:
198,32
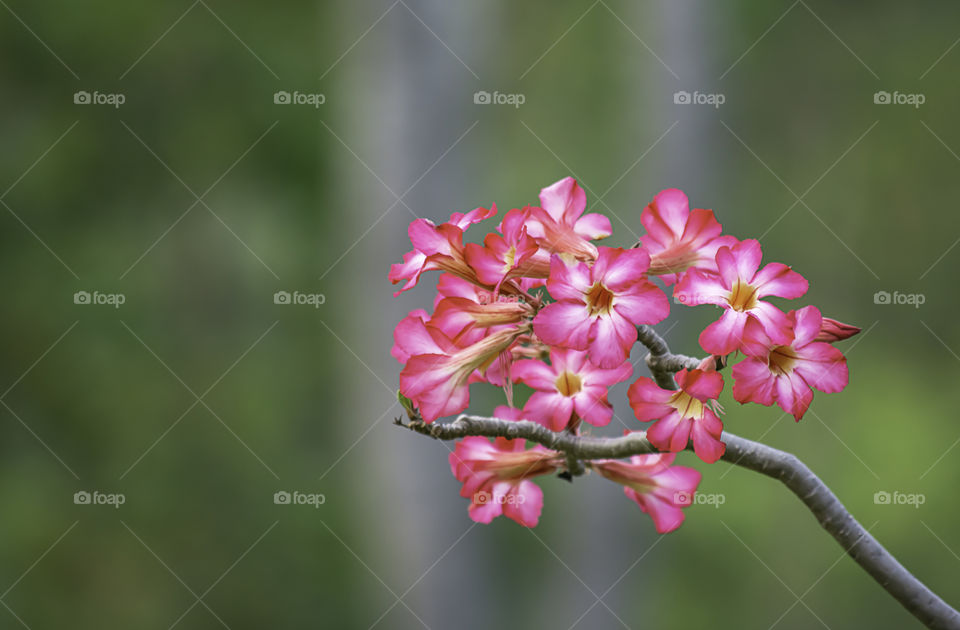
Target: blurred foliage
107,399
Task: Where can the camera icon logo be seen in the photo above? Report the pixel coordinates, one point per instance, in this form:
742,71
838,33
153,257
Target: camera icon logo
482,98
81,297
281,297
482,497
881,297
81,98
681,98
683,498
881,98
881,498
282,98
81,498
281,497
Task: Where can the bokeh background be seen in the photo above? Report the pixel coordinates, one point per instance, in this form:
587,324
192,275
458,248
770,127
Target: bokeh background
198,398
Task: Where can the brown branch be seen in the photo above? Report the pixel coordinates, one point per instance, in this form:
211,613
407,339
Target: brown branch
830,513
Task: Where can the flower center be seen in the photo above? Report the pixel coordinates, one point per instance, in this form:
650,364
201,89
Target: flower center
568,383
743,297
686,405
509,258
782,359
599,299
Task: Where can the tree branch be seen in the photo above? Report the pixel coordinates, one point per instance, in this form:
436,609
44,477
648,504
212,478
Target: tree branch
923,603
830,513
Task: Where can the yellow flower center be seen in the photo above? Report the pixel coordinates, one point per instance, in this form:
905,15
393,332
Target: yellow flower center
599,300
782,359
743,297
686,405
568,383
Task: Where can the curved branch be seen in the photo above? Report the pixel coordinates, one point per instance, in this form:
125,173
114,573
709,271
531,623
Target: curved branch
859,544
830,513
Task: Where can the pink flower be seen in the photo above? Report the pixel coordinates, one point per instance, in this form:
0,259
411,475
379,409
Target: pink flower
678,238
438,380
513,254
661,490
738,288
437,247
786,373
683,414
569,389
496,477
560,226
599,307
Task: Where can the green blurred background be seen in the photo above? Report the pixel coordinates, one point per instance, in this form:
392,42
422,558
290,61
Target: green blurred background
199,397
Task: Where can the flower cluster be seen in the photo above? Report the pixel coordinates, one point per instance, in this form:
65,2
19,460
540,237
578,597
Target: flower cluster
540,304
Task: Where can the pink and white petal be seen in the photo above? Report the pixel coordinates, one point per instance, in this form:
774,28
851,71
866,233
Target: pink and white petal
648,400
565,324
593,227
776,324
618,268
697,286
552,410
823,367
807,324
592,406
568,280
706,443
534,373
724,335
748,255
487,504
666,516
643,303
701,228
611,337
780,280
670,433
666,216
524,503
753,382
702,385
793,395
564,200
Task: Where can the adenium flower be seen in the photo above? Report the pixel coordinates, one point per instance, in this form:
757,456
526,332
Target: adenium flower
569,389
560,226
681,415
598,308
787,373
496,477
738,289
513,254
678,238
437,247
661,490
437,375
